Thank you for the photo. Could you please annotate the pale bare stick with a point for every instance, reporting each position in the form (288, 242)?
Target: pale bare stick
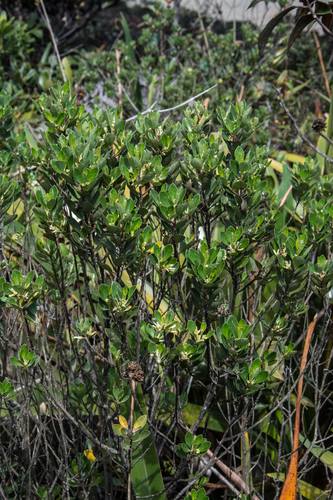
(54, 42)
(322, 64)
(177, 106)
(231, 475)
(120, 87)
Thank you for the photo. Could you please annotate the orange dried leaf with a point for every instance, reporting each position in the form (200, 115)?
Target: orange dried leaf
(289, 490)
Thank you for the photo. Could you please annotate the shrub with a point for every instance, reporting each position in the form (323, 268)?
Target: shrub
(17, 40)
(155, 284)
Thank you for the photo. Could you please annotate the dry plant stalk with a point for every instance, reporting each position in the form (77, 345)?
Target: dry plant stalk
(289, 490)
(322, 64)
(120, 87)
(53, 38)
(231, 475)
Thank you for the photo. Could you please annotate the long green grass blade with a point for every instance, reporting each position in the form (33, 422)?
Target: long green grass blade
(146, 474)
(325, 456)
(191, 412)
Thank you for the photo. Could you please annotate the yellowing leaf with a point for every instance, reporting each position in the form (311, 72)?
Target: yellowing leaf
(140, 423)
(291, 157)
(294, 158)
(67, 68)
(276, 165)
(89, 454)
(123, 422)
(16, 208)
(181, 259)
(126, 279)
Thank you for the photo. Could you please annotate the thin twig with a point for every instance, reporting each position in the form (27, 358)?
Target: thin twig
(87, 18)
(168, 110)
(232, 475)
(300, 133)
(322, 64)
(285, 196)
(225, 481)
(241, 93)
(80, 425)
(119, 85)
(319, 21)
(54, 42)
(327, 139)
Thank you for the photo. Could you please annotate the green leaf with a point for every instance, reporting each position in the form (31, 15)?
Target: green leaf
(191, 412)
(146, 474)
(199, 494)
(140, 423)
(25, 358)
(285, 187)
(266, 32)
(127, 35)
(239, 154)
(30, 138)
(300, 25)
(189, 438)
(104, 291)
(325, 456)
(6, 388)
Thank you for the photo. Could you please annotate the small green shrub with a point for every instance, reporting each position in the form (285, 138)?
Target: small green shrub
(17, 40)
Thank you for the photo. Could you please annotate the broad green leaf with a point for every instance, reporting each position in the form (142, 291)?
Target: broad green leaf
(325, 456)
(321, 146)
(6, 388)
(191, 412)
(146, 474)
